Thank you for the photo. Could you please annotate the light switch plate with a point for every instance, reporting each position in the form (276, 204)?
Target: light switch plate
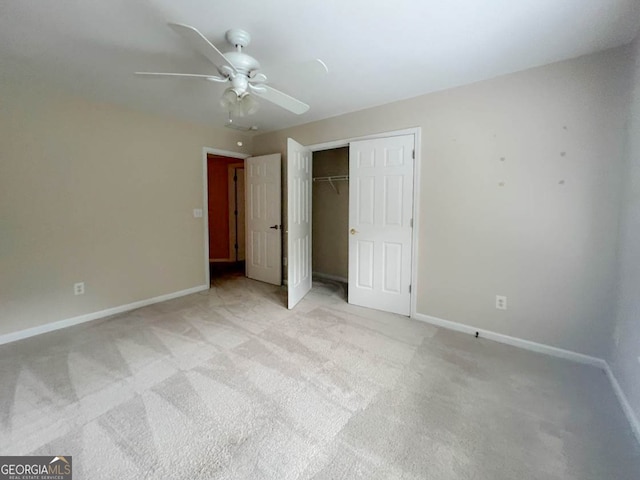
(197, 213)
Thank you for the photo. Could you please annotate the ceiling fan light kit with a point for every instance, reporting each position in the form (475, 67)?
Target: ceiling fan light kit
(237, 68)
(238, 105)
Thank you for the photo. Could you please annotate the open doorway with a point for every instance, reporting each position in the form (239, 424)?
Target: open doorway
(225, 194)
(242, 216)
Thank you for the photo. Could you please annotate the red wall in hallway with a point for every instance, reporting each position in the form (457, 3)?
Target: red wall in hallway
(218, 185)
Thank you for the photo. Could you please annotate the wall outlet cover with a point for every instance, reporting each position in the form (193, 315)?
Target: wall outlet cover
(501, 302)
(78, 288)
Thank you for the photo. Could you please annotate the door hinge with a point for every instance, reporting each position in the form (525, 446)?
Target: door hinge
(411, 223)
(413, 154)
(235, 178)
(409, 288)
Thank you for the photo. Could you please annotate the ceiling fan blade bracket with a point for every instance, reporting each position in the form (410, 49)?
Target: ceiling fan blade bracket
(226, 71)
(218, 79)
(259, 89)
(255, 77)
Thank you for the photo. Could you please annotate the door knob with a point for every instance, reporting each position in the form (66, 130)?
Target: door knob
(353, 231)
(275, 227)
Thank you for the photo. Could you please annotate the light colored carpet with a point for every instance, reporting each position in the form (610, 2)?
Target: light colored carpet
(229, 384)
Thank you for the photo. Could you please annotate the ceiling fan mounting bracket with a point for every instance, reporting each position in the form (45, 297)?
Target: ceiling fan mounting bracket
(238, 37)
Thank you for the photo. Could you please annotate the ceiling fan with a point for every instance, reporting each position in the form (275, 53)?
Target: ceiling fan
(238, 69)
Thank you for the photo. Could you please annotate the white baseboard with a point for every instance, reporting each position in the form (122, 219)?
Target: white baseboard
(514, 341)
(534, 347)
(546, 349)
(335, 278)
(626, 407)
(49, 327)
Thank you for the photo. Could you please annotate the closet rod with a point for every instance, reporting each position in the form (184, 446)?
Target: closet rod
(335, 178)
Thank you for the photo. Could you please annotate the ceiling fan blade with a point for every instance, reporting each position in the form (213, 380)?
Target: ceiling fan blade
(281, 99)
(200, 43)
(158, 75)
(318, 66)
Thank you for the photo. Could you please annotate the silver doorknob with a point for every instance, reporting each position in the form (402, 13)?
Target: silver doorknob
(353, 231)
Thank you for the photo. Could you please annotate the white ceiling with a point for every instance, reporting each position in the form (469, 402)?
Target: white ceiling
(377, 51)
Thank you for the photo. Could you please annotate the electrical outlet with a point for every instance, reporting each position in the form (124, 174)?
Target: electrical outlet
(197, 213)
(501, 302)
(78, 288)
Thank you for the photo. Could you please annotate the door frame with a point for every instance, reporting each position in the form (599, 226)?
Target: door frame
(205, 200)
(416, 132)
(232, 236)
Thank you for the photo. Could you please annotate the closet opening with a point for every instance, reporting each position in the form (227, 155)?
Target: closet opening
(350, 216)
(330, 216)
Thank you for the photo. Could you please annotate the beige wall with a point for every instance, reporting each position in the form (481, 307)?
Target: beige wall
(547, 238)
(95, 193)
(624, 355)
(330, 216)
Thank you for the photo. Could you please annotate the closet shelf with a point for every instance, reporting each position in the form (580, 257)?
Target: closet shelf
(334, 178)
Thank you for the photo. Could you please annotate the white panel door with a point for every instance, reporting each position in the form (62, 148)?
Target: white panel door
(380, 219)
(263, 218)
(298, 221)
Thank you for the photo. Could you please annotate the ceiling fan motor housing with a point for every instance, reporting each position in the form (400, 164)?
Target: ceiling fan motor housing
(242, 62)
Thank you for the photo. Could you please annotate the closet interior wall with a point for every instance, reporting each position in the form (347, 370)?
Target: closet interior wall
(330, 215)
